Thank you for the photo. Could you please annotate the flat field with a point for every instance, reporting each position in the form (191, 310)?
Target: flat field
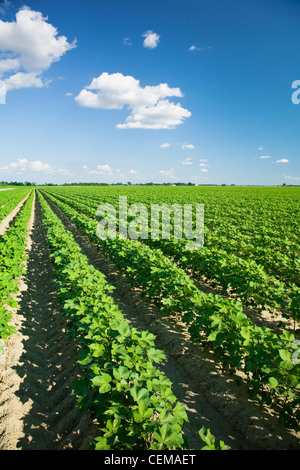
(122, 343)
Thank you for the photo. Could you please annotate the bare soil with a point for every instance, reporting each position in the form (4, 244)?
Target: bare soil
(37, 410)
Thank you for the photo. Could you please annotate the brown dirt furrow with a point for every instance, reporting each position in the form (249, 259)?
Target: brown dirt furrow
(211, 397)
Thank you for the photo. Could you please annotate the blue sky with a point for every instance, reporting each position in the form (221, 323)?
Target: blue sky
(160, 90)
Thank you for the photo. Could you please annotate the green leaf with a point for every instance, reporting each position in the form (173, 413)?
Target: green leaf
(145, 412)
(156, 355)
(103, 382)
(101, 444)
(121, 373)
(273, 382)
(139, 394)
(180, 413)
(208, 438)
(166, 436)
(285, 355)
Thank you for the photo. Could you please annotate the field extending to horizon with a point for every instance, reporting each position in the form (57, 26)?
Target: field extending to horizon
(140, 344)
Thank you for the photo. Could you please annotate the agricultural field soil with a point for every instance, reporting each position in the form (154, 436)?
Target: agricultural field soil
(37, 409)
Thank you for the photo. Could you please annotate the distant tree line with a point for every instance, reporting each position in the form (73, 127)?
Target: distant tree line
(17, 183)
(129, 183)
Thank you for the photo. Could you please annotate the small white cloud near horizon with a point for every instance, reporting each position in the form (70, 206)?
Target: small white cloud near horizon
(265, 156)
(187, 146)
(151, 39)
(102, 170)
(187, 161)
(132, 172)
(165, 145)
(23, 165)
(282, 160)
(149, 106)
(33, 46)
(295, 178)
(168, 174)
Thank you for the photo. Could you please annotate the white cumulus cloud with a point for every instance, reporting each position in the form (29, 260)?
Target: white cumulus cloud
(168, 174)
(101, 170)
(187, 146)
(165, 145)
(282, 160)
(151, 39)
(23, 165)
(28, 47)
(149, 106)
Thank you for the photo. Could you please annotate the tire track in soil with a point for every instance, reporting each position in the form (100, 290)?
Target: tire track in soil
(46, 416)
(212, 399)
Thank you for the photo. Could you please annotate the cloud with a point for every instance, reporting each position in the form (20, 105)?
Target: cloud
(203, 48)
(149, 106)
(165, 145)
(260, 148)
(127, 42)
(22, 165)
(187, 161)
(295, 178)
(168, 174)
(204, 170)
(29, 46)
(151, 39)
(101, 170)
(162, 115)
(187, 146)
(132, 172)
(283, 160)
(104, 167)
(40, 166)
(265, 156)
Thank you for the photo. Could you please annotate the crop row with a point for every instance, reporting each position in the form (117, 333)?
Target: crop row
(245, 278)
(12, 257)
(264, 357)
(10, 203)
(248, 227)
(121, 386)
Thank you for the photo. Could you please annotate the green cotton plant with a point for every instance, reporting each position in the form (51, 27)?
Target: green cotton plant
(263, 280)
(220, 323)
(12, 257)
(129, 396)
(210, 441)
